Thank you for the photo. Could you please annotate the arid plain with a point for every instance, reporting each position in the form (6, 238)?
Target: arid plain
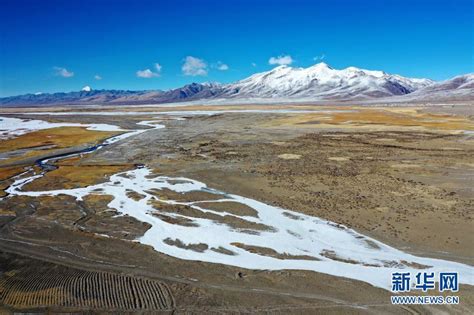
(398, 176)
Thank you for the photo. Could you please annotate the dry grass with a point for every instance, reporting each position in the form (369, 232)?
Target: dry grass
(5, 175)
(8, 172)
(46, 142)
(269, 252)
(74, 176)
(232, 207)
(377, 118)
(62, 137)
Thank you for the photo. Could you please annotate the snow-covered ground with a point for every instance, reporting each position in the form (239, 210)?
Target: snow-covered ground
(351, 254)
(13, 127)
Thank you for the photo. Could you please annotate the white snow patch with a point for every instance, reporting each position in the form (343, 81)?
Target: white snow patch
(354, 255)
(13, 127)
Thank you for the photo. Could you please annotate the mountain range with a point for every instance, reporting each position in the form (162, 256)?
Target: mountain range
(319, 82)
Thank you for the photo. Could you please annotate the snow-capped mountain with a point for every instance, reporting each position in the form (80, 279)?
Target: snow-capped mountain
(316, 83)
(460, 88)
(323, 82)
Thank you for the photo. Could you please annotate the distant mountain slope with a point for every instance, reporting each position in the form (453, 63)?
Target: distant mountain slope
(187, 92)
(89, 97)
(318, 82)
(460, 88)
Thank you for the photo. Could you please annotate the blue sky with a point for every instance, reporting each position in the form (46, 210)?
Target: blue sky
(49, 46)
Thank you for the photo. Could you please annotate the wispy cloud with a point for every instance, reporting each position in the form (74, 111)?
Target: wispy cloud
(97, 77)
(63, 72)
(147, 73)
(281, 60)
(193, 66)
(158, 68)
(253, 64)
(319, 58)
(220, 66)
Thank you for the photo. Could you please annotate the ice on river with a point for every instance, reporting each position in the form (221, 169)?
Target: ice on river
(297, 241)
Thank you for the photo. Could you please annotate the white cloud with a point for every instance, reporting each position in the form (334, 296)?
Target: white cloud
(63, 72)
(97, 77)
(147, 73)
(281, 60)
(194, 66)
(319, 58)
(222, 66)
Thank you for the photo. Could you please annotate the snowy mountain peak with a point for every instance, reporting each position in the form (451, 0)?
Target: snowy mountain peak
(86, 89)
(321, 66)
(377, 74)
(211, 84)
(322, 81)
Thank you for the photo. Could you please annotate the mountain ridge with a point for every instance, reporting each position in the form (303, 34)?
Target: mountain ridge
(319, 82)
(322, 80)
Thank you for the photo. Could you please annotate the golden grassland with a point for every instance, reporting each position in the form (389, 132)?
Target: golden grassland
(8, 172)
(5, 174)
(45, 142)
(75, 176)
(61, 137)
(377, 118)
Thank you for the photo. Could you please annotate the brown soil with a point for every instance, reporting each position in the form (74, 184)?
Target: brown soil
(265, 251)
(230, 207)
(230, 220)
(166, 194)
(28, 284)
